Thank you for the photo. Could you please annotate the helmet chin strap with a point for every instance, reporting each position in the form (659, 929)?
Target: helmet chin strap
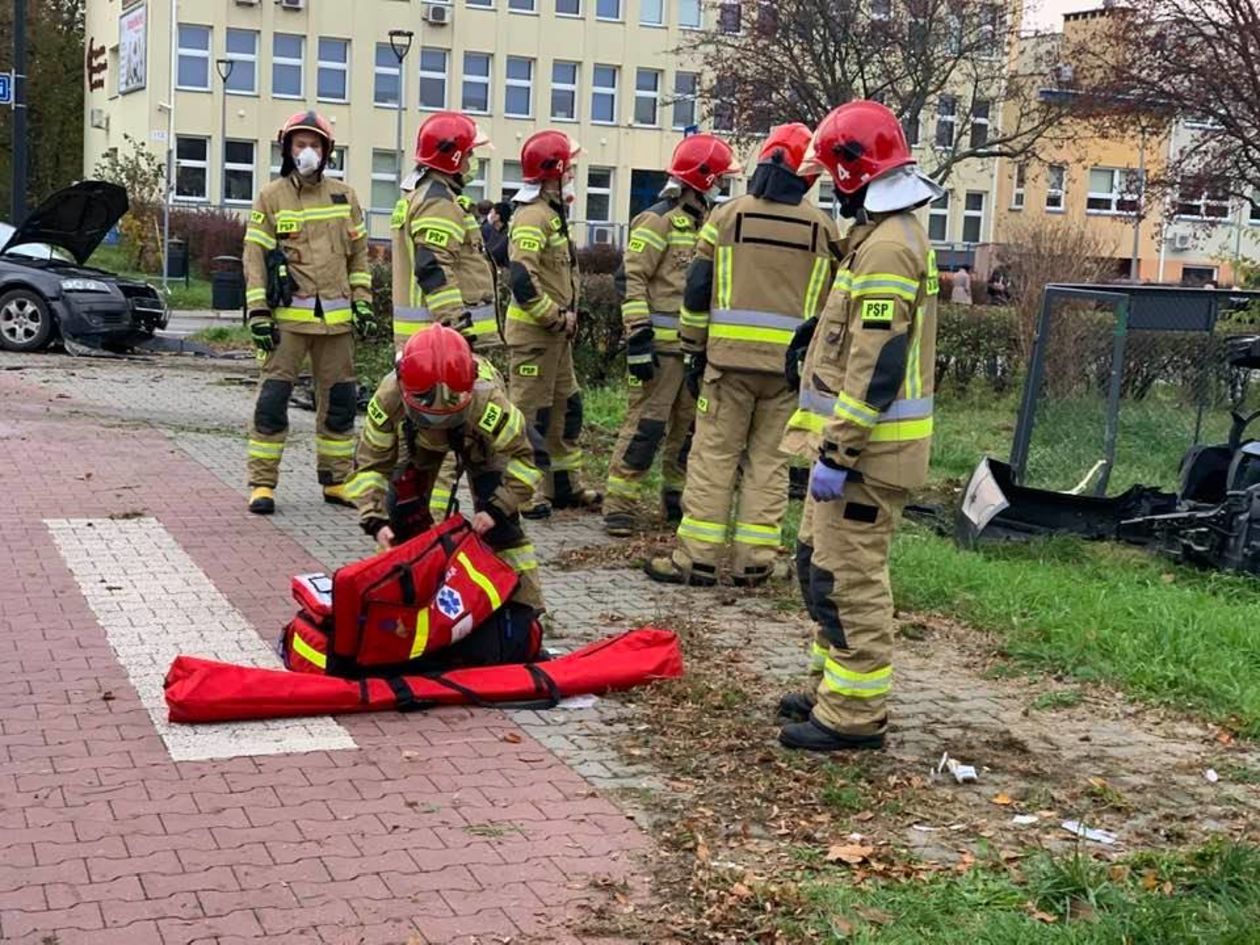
(852, 206)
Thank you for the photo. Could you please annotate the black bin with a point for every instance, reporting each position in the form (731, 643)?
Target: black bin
(176, 259)
(227, 284)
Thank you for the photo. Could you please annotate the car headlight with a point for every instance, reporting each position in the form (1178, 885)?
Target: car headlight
(83, 285)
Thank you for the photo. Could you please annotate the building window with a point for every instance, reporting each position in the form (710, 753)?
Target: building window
(193, 67)
(433, 78)
(911, 126)
(488, 4)
(286, 65)
(476, 92)
(522, 6)
(1254, 215)
(332, 78)
(992, 29)
(385, 192)
(689, 15)
(275, 160)
(242, 49)
(973, 216)
(729, 17)
(564, 83)
(723, 107)
(1017, 191)
(518, 96)
(511, 179)
(569, 7)
(979, 123)
(336, 166)
(686, 87)
(238, 172)
(608, 9)
(938, 219)
(946, 121)
(647, 96)
(191, 168)
(386, 85)
(1113, 190)
(475, 189)
(881, 9)
(652, 12)
(599, 194)
(604, 95)
(827, 198)
(1056, 184)
(1198, 275)
(1212, 204)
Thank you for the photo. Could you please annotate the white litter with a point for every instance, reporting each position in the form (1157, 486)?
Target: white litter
(1089, 833)
(924, 828)
(578, 702)
(1023, 820)
(1210, 776)
(962, 773)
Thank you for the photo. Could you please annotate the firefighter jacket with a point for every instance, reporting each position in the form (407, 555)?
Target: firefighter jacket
(653, 269)
(319, 226)
(492, 445)
(763, 265)
(868, 379)
(440, 266)
(543, 271)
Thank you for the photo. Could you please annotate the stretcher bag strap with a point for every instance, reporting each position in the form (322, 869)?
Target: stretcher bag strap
(407, 701)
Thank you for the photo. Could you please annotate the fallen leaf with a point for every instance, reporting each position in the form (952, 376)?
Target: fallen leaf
(740, 891)
(1118, 873)
(702, 850)
(865, 815)
(873, 915)
(512, 737)
(1224, 737)
(1003, 799)
(1040, 916)
(409, 755)
(851, 853)
(841, 926)
(107, 696)
(1167, 888)
(1008, 855)
(1168, 577)
(1150, 879)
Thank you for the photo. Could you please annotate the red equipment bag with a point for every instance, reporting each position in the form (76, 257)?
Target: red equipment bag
(199, 690)
(406, 607)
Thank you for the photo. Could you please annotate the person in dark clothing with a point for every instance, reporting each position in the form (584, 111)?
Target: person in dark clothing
(494, 230)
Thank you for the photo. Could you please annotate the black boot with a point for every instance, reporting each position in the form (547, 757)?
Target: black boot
(665, 571)
(619, 524)
(796, 706)
(812, 735)
(671, 502)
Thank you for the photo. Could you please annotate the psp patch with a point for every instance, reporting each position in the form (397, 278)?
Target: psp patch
(449, 602)
(436, 237)
(635, 245)
(528, 370)
(878, 313)
(376, 413)
(257, 216)
(528, 244)
(490, 419)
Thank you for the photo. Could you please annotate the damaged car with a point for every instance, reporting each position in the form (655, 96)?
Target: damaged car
(49, 293)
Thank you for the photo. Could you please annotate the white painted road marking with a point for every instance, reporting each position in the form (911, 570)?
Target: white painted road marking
(155, 603)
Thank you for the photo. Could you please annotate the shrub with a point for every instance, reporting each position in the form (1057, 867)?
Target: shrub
(599, 258)
(208, 233)
(974, 341)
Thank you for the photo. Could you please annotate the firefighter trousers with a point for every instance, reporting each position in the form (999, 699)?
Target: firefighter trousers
(542, 385)
(336, 402)
(842, 567)
(658, 419)
(740, 418)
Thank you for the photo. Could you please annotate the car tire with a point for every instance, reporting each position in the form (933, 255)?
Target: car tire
(26, 323)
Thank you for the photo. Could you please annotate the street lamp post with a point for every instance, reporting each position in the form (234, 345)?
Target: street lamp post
(224, 68)
(400, 43)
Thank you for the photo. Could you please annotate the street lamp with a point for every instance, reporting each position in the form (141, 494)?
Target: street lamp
(400, 43)
(224, 68)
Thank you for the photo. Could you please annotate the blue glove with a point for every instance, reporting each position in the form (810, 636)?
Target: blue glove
(826, 482)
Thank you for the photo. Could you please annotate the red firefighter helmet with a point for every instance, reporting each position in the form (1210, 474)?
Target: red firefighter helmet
(547, 155)
(306, 121)
(857, 143)
(789, 143)
(436, 373)
(445, 139)
(701, 161)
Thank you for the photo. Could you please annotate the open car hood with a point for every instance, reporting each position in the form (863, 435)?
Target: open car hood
(75, 219)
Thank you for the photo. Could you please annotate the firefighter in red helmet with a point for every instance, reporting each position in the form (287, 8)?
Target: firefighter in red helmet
(864, 418)
(661, 243)
(442, 400)
(307, 287)
(542, 320)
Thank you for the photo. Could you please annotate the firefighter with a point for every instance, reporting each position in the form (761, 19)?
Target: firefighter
(307, 286)
(542, 320)
(442, 273)
(443, 400)
(649, 283)
(865, 418)
(763, 265)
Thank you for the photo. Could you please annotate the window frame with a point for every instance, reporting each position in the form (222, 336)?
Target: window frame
(287, 62)
(239, 59)
(532, 11)
(322, 64)
(621, 12)
(691, 99)
(1202, 204)
(978, 123)
(1060, 191)
(653, 96)
(1117, 195)
(392, 68)
(699, 8)
(1019, 186)
(573, 89)
(504, 182)
(466, 78)
(726, 13)
(610, 91)
(510, 83)
(573, 16)
(944, 118)
(608, 192)
(230, 166)
(652, 24)
(185, 52)
(380, 177)
(203, 164)
(445, 76)
(940, 212)
(969, 215)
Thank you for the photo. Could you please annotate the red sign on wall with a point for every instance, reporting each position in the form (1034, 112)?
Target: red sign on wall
(95, 64)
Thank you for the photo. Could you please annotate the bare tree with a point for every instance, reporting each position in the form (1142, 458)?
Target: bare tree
(954, 60)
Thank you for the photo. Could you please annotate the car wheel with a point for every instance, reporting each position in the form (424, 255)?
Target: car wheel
(25, 322)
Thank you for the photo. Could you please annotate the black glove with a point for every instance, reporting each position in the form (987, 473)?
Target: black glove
(641, 358)
(796, 349)
(263, 331)
(695, 363)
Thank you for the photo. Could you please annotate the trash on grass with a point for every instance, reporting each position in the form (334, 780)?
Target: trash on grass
(1210, 776)
(1089, 833)
(1023, 820)
(962, 773)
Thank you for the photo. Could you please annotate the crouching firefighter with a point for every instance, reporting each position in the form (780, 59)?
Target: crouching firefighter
(307, 287)
(865, 418)
(650, 287)
(441, 400)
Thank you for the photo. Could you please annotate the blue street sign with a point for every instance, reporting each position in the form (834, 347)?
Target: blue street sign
(691, 130)
(6, 88)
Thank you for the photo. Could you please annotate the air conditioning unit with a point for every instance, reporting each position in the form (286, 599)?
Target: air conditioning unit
(99, 118)
(1182, 241)
(437, 14)
(292, 4)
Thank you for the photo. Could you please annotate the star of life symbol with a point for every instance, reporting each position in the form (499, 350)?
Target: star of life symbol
(449, 602)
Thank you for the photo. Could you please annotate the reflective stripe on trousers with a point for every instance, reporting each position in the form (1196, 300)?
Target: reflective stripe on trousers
(737, 324)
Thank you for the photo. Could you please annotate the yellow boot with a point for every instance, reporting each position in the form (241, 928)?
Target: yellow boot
(336, 495)
(262, 500)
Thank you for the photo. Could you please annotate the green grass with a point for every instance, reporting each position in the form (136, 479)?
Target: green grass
(1211, 895)
(194, 296)
(1059, 699)
(236, 336)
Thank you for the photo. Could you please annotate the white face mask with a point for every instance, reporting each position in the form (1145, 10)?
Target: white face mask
(307, 161)
(569, 191)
